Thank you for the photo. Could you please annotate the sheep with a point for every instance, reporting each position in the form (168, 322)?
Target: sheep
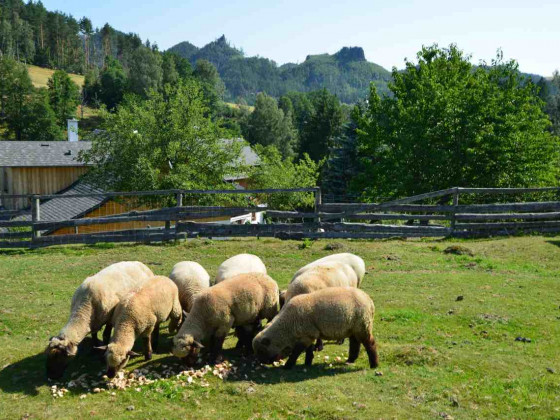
(240, 264)
(333, 314)
(333, 274)
(190, 278)
(352, 260)
(140, 314)
(92, 307)
(241, 301)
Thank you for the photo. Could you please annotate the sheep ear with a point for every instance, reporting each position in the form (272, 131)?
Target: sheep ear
(101, 348)
(133, 354)
(197, 344)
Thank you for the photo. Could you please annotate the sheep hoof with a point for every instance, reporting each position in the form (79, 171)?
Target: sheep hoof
(148, 356)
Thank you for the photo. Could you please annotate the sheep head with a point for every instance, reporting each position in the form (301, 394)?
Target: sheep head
(117, 357)
(187, 349)
(271, 348)
(59, 353)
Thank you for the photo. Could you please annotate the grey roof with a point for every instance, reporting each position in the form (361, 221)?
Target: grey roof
(41, 153)
(62, 208)
(65, 153)
(248, 155)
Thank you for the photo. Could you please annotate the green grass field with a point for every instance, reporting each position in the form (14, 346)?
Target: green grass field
(439, 357)
(40, 76)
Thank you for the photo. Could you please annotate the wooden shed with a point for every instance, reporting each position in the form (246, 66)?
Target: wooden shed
(34, 167)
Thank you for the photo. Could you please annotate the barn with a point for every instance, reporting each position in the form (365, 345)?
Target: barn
(48, 168)
(32, 167)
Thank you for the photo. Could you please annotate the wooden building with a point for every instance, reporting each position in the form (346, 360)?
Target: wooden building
(34, 167)
(48, 168)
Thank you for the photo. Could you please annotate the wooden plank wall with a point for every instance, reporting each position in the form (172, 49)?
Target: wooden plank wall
(46, 180)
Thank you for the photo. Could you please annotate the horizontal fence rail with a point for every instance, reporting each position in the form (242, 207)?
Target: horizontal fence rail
(157, 216)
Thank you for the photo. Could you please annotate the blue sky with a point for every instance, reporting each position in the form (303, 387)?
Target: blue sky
(389, 31)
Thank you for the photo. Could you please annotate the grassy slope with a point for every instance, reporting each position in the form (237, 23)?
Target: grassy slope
(39, 76)
(438, 356)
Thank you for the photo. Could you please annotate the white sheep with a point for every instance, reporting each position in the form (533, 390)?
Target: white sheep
(92, 307)
(240, 264)
(241, 301)
(331, 314)
(140, 314)
(352, 260)
(331, 274)
(190, 278)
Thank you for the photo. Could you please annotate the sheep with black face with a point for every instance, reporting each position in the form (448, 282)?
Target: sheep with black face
(242, 301)
(92, 307)
(139, 315)
(333, 313)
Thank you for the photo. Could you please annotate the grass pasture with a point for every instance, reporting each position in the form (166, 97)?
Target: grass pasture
(440, 357)
(40, 76)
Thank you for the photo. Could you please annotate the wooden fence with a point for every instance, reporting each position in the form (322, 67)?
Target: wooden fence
(442, 216)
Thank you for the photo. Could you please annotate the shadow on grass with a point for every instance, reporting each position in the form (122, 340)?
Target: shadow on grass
(557, 243)
(26, 376)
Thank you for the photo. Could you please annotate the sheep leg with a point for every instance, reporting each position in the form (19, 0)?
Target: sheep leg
(107, 333)
(96, 342)
(298, 349)
(309, 356)
(240, 334)
(319, 345)
(147, 347)
(155, 337)
(216, 348)
(371, 348)
(354, 350)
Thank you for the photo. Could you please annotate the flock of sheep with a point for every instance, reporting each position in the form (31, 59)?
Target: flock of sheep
(322, 302)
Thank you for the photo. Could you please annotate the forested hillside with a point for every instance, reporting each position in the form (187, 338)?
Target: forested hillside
(347, 73)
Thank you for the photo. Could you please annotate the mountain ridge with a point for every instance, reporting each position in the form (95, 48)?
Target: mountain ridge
(345, 73)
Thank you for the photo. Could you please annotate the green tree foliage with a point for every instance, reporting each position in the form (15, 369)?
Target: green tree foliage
(15, 87)
(340, 167)
(551, 94)
(25, 112)
(323, 125)
(39, 120)
(163, 142)
(64, 96)
(277, 172)
(86, 29)
(267, 125)
(450, 123)
(145, 71)
(211, 83)
(112, 83)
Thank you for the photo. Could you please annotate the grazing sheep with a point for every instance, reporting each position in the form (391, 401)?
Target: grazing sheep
(240, 264)
(92, 307)
(241, 301)
(332, 274)
(352, 260)
(139, 314)
(190, 278)
(332, 314)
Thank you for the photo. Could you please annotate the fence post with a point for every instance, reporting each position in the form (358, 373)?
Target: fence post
(35, 215)
(318, 202)
(179, 204)
(455, 204)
